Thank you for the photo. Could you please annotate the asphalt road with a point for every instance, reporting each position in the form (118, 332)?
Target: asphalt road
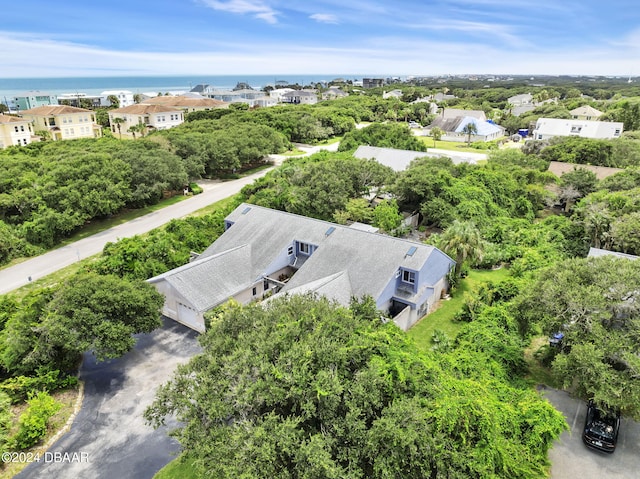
(40, 266)
(570, 458)
(109, 436)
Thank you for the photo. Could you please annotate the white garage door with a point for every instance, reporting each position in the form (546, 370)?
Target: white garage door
(188, 316)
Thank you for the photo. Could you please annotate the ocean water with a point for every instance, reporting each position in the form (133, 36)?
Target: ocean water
(10, 87)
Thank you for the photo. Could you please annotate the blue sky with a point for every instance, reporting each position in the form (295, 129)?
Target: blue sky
(42, 38)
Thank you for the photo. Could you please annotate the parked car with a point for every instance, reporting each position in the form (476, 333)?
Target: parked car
(555, 340)
(601, 428)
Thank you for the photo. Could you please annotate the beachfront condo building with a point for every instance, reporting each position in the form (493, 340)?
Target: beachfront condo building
(62, 122)
(14, 131)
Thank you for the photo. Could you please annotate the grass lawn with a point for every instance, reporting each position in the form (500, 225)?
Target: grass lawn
(329, 141)
(442, 318)
(294, 152)
(181, 467)
(449, 145)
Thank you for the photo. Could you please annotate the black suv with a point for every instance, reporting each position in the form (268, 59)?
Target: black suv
(601, 428)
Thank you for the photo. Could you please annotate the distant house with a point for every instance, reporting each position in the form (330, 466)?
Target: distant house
(186, 103)
(202, 89)
(125, 97)
(451, 113)
(559, 168)
(372, 82)
(521, 100)
(235, 96)
(278, 92)
(81, 99)
(549, 127)
(438, 97)
(263, 101)
(454, 128)
(585, 112)
(14, 131)
(63, 122)
(265, 252)
(333, 93)
(392, 94)
(33, 99)
(398, 160)
(304, 97)
(158, 117)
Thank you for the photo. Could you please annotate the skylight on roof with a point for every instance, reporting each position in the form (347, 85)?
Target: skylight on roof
(246, 210)
(411, 251)
(330, 230)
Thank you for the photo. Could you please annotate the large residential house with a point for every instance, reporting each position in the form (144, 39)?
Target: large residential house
(33, 99)
(14, 131)
(549, 127)
(585, 112)
(454, 127)
(333, 93)
(186, 103)
(265, 252)
(452, 113)
(157, 117)
(125, 97)
(303, 97)
(372, 82)
(63, 122)
(399, 160)
(81, 99)
(278, 92)
(521, 100)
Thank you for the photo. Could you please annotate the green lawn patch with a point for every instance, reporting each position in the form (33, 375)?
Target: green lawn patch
(442, 318)
(294, 152)
(97, 226)
(449, 145)
(181, 467)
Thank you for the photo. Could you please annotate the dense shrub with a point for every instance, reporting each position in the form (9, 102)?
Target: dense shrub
(33, 422)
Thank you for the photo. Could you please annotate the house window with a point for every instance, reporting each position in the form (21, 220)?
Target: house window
(304, 248)
(617, 132)
(265, 285)
(576, 129)
(408, 277)
(290, 251)
(16, 128)
(254, 291)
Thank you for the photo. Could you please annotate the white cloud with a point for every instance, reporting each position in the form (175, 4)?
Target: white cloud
(31, 55)
(324, 18)
(258, 8)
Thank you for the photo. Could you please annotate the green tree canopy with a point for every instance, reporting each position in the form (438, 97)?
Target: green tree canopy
(302, 388)
(595, 302)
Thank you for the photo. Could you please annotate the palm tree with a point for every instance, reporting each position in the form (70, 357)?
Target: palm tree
(133, 129)
(118, 121)
(436, 134)
(113, 100)
(463, 241)
(469, 129)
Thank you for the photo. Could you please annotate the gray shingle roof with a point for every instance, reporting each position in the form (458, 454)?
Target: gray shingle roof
(399, 160)
(259, 236)
(210, 281)
(597, 252)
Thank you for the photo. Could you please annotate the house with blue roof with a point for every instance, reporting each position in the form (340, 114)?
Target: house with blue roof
(453, 123)
(265, 252)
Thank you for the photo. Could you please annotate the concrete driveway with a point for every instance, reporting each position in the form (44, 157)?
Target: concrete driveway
(570, 458)
(109, 435)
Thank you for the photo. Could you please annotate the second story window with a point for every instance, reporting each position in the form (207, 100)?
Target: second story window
(408, 277)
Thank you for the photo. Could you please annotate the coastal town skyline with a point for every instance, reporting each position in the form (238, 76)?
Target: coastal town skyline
(213, 37)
